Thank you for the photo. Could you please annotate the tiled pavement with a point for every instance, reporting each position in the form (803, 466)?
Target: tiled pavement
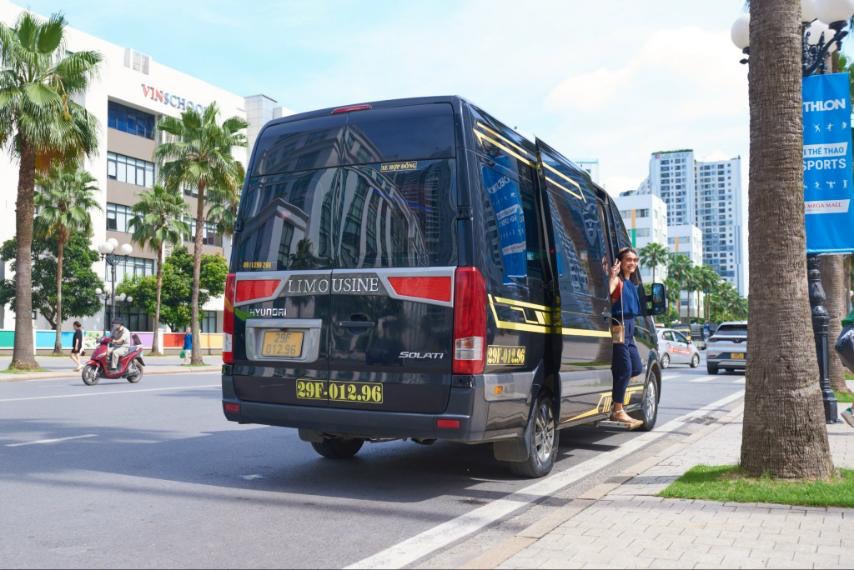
(627, 526)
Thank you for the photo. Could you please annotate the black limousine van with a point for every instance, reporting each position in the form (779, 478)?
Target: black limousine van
(416, 269)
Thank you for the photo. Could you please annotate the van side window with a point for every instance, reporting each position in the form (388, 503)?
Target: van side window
(512, 226)
(580, 251)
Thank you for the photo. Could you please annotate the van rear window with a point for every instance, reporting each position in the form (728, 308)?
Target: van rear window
(361, 137)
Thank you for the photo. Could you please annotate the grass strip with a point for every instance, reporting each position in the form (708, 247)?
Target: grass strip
(728, 483)
(23, 371)
(844, 396)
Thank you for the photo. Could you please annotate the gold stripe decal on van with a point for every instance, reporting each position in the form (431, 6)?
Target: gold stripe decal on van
(604, 405)
(536, 319)
(482, 137)
(577, 193)
(492, 132)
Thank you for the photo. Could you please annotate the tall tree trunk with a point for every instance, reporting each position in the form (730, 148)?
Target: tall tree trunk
(60, 253)
(157, 347)
(784, 431)
(197, 273)
(23, 357)
(833, 280)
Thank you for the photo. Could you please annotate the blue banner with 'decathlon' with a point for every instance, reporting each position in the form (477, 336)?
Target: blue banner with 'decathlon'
(828, 187)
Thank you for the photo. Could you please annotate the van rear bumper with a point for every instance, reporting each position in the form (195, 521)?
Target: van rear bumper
(465, 405)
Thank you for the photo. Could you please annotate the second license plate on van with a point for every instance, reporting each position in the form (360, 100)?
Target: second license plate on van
(282, 343)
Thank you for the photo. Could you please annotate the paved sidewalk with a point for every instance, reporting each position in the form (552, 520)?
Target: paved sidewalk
(627, 526)
(63, 367)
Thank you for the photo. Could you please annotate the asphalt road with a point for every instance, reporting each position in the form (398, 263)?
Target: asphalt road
(151, 475)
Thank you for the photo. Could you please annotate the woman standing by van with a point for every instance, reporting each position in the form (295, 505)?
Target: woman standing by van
(625, 306)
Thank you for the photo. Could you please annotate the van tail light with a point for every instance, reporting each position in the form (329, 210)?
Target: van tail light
(469, 321)
(228, 320)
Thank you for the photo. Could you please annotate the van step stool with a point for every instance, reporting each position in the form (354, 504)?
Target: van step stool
(615, 426)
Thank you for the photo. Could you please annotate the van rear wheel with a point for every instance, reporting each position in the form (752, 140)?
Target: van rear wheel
(338, 447)
(543, 441)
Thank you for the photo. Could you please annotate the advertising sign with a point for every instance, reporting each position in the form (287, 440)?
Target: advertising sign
(827, 163)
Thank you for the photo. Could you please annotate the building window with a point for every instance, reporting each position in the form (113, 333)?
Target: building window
(135, 320)
(130, 170)
(130, 120)
(211, 236)
(209, 322)
(119, 217)
(130, 267)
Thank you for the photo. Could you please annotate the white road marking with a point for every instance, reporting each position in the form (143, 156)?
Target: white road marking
(739, 381)
(120, 393)
(45, 441)
(440, 536)
(705, 379)
(252, 477)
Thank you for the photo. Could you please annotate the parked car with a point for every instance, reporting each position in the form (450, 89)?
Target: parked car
(676, 348)
(727, 347)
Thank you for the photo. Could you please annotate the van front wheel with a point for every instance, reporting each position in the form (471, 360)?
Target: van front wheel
(338, 447)
(543, 441)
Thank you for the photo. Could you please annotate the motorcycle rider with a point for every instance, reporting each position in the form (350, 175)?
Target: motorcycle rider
(119, 343)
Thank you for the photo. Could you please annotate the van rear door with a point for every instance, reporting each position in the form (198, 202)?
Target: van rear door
(391, 317)
(282, 259)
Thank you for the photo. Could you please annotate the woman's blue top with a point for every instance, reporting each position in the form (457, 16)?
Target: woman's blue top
(630, 302)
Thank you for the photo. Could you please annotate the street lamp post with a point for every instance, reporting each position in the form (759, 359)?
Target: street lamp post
(111, 251)
(818, 19)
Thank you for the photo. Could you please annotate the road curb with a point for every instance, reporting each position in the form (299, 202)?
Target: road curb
(72, 375)
(533, 533)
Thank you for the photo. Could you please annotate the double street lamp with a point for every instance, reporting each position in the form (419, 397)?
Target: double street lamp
(111, 252)
(823, 24)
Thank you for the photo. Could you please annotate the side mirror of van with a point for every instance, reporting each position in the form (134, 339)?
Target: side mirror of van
(658, 303)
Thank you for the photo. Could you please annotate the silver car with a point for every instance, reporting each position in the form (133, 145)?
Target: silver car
(675, 348)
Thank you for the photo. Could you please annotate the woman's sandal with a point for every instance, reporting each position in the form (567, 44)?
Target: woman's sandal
(625, 418)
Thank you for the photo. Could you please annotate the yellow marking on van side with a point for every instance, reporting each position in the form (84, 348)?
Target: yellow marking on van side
(543, 319)
(505, 139)
(481, 137)
(515, 303)
(604, 404)
(585, 332)
(554, 170)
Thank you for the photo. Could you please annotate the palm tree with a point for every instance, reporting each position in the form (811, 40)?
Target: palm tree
(200, 157)
(39, 121)
(784, 432)
(708, 283)
(158, 220)
(678, 265)
(652, 255)
(64, 197)
(224, 203)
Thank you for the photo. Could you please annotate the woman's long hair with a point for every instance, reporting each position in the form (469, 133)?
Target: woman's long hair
(634, 276)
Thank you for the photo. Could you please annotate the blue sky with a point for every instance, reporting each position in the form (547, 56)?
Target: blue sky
(612, 80)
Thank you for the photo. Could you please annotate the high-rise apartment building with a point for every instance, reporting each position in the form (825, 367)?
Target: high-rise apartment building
(707, 195)
(645, 218)
(128, 97)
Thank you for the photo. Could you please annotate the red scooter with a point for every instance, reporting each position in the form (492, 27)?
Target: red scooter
(131, 365)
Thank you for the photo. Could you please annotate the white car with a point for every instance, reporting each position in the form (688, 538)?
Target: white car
(675, 348)
(727, 347)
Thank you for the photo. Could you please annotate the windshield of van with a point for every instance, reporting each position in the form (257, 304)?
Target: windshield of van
(364, 189)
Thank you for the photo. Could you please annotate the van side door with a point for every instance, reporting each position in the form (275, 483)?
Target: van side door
(581, 262)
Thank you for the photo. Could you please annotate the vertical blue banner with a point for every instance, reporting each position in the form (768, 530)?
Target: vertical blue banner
(828, 186)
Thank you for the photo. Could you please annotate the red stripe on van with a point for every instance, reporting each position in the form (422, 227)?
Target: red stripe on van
(249, 289)
(433, 288)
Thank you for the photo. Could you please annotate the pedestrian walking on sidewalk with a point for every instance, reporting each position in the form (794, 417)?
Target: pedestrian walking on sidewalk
(625, 306)
(187, 351)
(77, 346)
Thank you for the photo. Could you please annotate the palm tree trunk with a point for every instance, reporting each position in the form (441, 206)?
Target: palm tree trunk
(23, 357)
(833, 281)
(784, 431)
(197, 273)
(60, 253)
(157, 348)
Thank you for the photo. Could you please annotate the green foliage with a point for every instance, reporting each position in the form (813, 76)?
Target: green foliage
(158, 218)
(175, 310)
(39, 80)
(65, 196)
(78, 284)
(653, 255)
(728, 483)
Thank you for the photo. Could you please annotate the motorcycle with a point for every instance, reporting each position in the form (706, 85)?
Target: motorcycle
(131, 366)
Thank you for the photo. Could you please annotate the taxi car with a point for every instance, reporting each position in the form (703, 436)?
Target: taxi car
(676, 348)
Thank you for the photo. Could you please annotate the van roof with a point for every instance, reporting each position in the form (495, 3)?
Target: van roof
(385, 104)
